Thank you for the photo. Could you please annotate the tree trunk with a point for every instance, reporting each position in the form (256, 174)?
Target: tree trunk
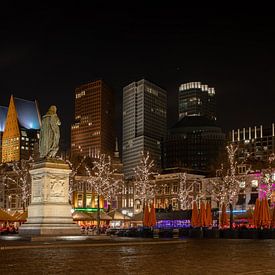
(98, 215)
(231, 215)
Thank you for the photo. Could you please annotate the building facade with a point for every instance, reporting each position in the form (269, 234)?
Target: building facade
(194, 142)
(197, 99)
(93, 130)
(21, 132)
(249, 189)
(84, 198)
(144, 123)
(254, 143)
(170, 194)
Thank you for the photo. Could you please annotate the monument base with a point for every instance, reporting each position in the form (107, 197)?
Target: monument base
(49, 213)
(49, 230)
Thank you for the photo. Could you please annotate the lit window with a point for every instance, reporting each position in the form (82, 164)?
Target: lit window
(242, 184)
(254, 183)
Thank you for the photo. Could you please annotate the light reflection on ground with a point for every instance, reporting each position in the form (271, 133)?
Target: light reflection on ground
(206, 256)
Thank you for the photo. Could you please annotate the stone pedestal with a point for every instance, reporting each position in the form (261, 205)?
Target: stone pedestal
(50, 212)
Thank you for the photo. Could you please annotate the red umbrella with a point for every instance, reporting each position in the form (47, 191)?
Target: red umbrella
(273, 219)
(265, 214)
(146, 216)
(224, 219)
(202, 215)
(256, 213)
(195, 216)
(152, 216)
(208, 214)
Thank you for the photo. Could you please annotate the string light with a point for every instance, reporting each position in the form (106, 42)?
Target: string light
(226, 187)
(185, 191)
(267, 185)
(145, 186)
(21, 179)
(101, 178)
(73, 174)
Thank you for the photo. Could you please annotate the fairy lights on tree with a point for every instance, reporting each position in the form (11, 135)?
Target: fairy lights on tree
(19, 179)
(75, 168)
(102, 182)
(226, 187)
(189, 192)
(145, 186)
(267, 185)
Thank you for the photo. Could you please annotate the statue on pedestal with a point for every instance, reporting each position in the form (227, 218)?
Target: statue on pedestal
(49, 134)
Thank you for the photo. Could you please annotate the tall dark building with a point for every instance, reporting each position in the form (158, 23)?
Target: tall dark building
(144, 123)
(195, 143)
(93, 130)
(196, 99)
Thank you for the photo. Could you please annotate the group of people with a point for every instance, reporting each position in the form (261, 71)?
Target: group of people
(92, 229)
(9, 229)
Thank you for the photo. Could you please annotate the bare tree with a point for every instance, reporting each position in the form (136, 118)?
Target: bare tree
(145, 186)
(19, 179)
(102, 182)
(267, 185)
(75, 168)
(225, 187)
(188, 192)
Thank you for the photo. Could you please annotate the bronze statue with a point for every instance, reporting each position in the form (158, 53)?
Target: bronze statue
(49, 134)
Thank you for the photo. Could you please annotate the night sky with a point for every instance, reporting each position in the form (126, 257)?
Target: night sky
(46, 52)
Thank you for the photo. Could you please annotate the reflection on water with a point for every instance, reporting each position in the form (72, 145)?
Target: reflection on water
(222, 256)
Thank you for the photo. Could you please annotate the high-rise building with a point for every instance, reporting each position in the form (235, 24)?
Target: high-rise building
(144, 123)
(255, 143)
(93, 130)
(196, 99)
(195, 143)
(21, 130)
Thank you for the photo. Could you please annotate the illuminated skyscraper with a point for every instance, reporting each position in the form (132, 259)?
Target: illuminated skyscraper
(21, 127)
(196, 99)
(93, 130)
(144, 123)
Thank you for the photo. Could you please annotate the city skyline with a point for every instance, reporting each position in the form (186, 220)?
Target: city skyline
(230, 50)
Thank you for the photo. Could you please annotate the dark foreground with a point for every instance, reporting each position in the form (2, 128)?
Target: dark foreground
(138, 256)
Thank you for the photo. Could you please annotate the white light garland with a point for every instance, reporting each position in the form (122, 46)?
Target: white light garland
(225, 188)
(21, 179)
(145, 186)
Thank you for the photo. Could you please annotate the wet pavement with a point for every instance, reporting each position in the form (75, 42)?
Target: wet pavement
(137, 256)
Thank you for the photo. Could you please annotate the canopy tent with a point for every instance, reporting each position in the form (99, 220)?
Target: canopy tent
(4, 216)
(117, 216)
(103, 216)
(81, 216)
(138, 217)
(16, 214)
(21, 217)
